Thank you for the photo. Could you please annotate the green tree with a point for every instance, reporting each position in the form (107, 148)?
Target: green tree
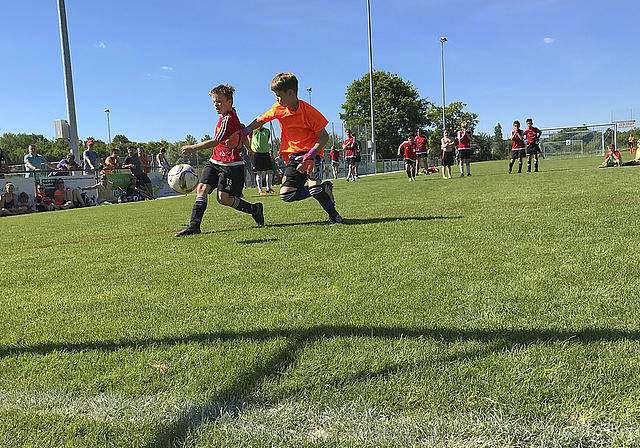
(120, 140)
(398, 109)
(455, 115)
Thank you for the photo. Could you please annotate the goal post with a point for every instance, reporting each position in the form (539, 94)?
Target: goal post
(577, 141)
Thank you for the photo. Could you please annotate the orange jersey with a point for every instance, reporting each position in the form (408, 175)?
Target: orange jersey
(298, 129)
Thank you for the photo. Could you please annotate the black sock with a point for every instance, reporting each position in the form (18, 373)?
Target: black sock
(242, 205)
(520, 167)
(198, 210)
(510, 165)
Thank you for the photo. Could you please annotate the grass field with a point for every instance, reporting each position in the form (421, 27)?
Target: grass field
(488, 311)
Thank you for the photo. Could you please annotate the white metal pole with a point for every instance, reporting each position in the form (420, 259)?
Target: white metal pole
(68, 81)
(373, 121)
(444, 104)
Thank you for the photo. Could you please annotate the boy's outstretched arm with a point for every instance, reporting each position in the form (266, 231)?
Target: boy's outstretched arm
(243, 133)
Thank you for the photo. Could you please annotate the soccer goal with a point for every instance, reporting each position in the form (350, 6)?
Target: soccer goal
(577, 141)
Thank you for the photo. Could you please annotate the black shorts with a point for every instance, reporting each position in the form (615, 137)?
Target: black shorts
(358, 158)
(350, 161)
(261, 161)
(517, 153)
(464, 154)
(409, 162)
(229, 179)
(295, 178)
(533, 149)
(143, 178)
(447, 158)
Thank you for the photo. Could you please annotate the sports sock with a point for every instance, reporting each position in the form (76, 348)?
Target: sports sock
(317, 191)
(409, 174)
(529, 166)
(510, 165)
(259, 181)
(536, 165)
(242, 205)
(198, 210)
(461, 169)
(519, 167)
(468, 169)
(268, 177)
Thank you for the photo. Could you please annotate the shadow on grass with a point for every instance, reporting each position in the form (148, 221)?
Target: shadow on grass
(235, 397)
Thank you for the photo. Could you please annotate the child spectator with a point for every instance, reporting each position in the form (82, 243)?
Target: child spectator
(448, 149)
(135, 192)
(303, 136)
(612, 158)
(25, 203)
(161, 158)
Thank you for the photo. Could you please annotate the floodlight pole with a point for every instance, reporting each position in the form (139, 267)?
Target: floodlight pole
(68, 81)
(442, 41)
(309, 90)
(373, 120)
(107, 111)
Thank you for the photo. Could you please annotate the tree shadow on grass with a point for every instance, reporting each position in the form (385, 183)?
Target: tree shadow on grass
(235, 397)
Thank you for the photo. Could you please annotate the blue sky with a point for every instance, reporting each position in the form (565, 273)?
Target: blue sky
(152, 63)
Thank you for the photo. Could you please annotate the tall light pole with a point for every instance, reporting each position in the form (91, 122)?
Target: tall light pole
(68, 81)
(373, 121)
(107, 111)
(442, 41)
(309, 90)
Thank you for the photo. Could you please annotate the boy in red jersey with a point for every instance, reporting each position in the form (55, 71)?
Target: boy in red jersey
(464, 137)
(422, 143)
(532, 135)
(517, 149)
(349, 146)
(408, 150)
(225, 169)
(303, 137)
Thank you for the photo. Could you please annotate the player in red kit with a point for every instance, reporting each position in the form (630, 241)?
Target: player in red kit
(408, 149)
(464, 137)
(517, 148)
(422, 143)
(225, 169)
(532, 134)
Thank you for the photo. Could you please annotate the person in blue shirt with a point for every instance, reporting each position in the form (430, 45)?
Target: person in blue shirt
(33, 162)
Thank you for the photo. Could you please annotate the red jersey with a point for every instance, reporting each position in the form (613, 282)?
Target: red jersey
(349, 146)
(464, 142)
(532, 135)
(409, 150)
(421, 141)
(335, 156)
(298, 128)
(227, 126)
(518, 139)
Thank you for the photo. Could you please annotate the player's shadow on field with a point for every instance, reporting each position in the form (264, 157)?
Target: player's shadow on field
(237, 396)
(361, 221)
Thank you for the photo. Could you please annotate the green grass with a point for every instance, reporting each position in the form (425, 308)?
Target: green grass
(487, 311)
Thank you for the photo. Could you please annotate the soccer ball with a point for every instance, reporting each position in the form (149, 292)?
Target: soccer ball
(182, 178)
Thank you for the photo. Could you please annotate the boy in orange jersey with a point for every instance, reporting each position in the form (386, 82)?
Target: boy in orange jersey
(225, 169)
(303, 137)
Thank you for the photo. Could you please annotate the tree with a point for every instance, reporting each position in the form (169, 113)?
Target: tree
(120, 140)
(398, 109)
(454, 115)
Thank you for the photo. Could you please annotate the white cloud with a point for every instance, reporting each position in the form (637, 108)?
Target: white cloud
(164, 67)
(547, 40)
(102, 45)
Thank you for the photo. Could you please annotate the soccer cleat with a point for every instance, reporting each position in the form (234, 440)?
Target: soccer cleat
(336, 219)
(262, 193)
(328, 188)
(257, 214)
(468, 174)
(509, 172)
(462, 175)
(357, 177)
(189, 230)
(271, 191)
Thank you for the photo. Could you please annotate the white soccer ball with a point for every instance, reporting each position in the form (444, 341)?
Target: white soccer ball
(182, 178)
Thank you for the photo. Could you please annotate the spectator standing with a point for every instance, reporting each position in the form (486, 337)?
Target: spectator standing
(261, 159)
(464, 137)
(89, 160)
(144, 160)
(448, 148)
(112, 162)
(4, 164)
(161, 158)
(33, 162)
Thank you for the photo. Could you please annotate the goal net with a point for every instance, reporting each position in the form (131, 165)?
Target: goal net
(574, 142)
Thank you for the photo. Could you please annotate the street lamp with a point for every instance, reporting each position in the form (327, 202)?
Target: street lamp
(442, 41)
(107, 111)
(309, 90)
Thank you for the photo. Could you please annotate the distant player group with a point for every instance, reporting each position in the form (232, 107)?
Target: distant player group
(303, 136)
(527, 140)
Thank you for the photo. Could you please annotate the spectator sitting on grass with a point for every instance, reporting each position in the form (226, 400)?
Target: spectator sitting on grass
(66, 197)
(135, 192)
(44, 202)
(9, 201)
(612, 158)
(105, 191)
(25, 203)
